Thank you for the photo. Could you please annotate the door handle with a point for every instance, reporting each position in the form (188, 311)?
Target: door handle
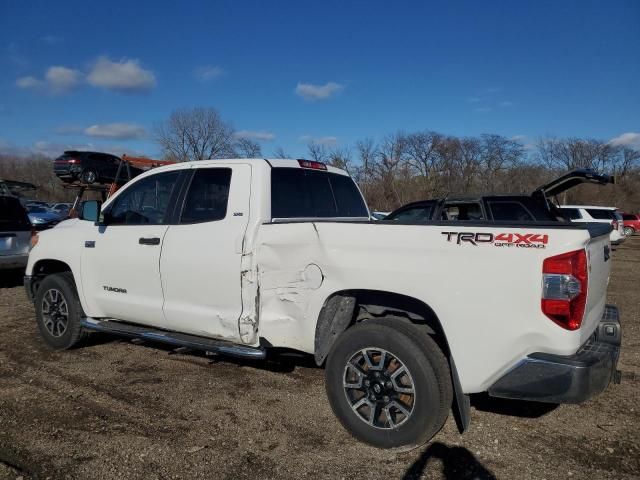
(149, 241)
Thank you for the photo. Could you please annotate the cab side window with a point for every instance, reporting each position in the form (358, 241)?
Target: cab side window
(144, 203)
(462, 211)
(208, 196)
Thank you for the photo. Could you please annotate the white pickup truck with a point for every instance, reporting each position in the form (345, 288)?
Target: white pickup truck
(243, 256)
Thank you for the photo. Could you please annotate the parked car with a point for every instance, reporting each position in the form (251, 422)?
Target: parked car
(42, 218)
(15, 233)
(62, 209)
(536, 207)
(591, 213)
(91, 167)
(379, 215)
(243, 256)
(631, 223)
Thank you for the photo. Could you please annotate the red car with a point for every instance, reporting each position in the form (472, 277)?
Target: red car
(631, 223)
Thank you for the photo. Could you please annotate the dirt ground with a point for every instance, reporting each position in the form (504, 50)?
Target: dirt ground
(117, 409)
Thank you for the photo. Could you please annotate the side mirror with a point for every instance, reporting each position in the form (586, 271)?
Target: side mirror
(90, 210)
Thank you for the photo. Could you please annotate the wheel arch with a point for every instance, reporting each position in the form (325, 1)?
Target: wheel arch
(345, 308)
(44, 267)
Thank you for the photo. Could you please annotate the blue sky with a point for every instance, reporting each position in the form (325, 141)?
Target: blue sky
(102, 74)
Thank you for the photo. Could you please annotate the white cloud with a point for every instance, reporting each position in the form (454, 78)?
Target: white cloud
(124, 76)
(207, 73)
(518, 138)
(28, 82)
(506, 103)
(51, 39)
(68, 130)
(327, 141)
(483, 109)
(309, 91)
(474, 99)
(629, 139)
(255, 135)
(62, 79)
(119, 131)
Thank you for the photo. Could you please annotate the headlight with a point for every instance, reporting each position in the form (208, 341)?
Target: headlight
(38, 220)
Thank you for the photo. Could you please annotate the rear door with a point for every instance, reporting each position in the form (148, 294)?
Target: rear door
(202, 252)
(570, 180)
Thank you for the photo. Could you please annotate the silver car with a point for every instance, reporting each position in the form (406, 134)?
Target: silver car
(15, 233)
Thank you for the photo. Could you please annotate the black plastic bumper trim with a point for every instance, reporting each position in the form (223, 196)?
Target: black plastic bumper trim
(545, 377)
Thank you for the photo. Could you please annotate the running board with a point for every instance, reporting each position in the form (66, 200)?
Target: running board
(173, 338)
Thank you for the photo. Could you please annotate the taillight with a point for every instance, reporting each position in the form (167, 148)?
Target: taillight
(34, 237)
(312, 164)
(564, 288)
(73, 160)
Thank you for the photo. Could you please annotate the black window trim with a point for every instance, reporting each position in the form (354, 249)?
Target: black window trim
(182, 198)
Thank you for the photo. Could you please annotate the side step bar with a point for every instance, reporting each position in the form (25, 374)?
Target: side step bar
(173, 338)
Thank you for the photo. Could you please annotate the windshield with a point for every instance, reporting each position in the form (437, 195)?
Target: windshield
(36, 209)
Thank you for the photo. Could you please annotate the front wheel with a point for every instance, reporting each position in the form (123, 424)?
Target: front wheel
(58, 311)
(388, 383)
(628, 231)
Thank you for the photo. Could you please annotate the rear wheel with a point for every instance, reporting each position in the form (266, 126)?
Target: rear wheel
(89, 176)
(389, 383)
(628, 231)
(58, 311)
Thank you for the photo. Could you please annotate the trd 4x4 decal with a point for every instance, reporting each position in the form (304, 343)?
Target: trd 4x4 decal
(520, 240)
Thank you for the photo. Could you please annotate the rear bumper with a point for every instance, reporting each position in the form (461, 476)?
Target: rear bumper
(8, 262)
(544, 377)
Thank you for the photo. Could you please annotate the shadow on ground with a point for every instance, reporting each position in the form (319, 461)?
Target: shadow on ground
(11, 278)
(456, 463)
(512, 408)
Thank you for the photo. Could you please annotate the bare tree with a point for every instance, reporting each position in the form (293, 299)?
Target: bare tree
(317, 151)
(340, 158)
(247, 148)
(280, 152)
(195, 134)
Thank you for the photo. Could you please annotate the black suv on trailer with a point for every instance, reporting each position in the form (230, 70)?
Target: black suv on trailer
(536, 207)
(91, 167)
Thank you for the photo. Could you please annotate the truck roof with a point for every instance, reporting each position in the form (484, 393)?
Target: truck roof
(260, 162)
(592, 207)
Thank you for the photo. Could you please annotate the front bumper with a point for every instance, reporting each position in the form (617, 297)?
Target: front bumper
(544, 377)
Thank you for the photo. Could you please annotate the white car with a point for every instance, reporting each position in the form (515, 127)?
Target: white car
(243, 256)
(592, 213)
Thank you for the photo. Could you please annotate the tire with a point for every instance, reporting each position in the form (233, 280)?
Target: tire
(56, 296)
(89, 176)
(628, 231)
(427, 376)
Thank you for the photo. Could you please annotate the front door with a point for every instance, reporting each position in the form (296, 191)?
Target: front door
(120, 265)
(202, 252)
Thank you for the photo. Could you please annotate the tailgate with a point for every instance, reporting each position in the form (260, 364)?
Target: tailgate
(15, 243)
(599, 267)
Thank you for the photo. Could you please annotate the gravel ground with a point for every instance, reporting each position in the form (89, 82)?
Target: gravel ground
(116, 409)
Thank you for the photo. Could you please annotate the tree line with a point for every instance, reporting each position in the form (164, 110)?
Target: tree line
(400, 167)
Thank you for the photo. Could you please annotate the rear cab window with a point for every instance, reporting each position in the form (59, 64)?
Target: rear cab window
(305, 193)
